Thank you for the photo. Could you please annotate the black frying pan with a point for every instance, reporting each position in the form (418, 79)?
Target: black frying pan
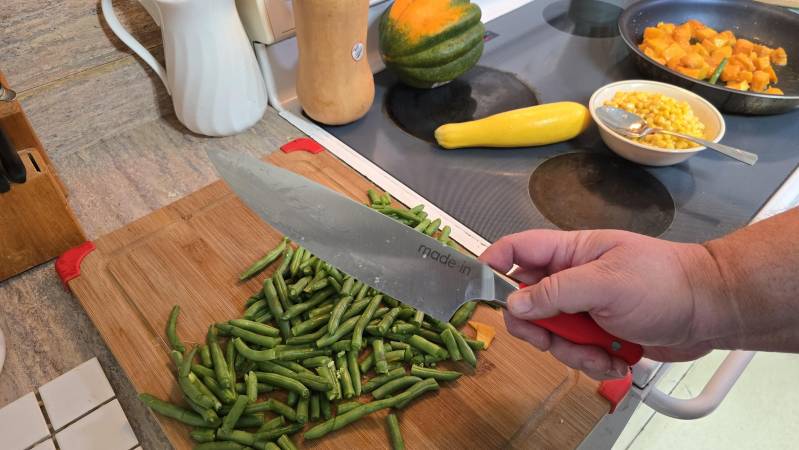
(764, 24)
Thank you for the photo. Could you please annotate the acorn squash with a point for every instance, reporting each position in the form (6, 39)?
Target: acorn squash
(428, 43)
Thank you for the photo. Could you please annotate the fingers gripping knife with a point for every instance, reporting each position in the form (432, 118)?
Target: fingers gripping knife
(388, 256)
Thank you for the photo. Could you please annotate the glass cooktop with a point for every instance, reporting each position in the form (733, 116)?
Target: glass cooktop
(551, 51)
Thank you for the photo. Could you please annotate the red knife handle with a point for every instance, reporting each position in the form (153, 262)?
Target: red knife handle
(581, 329)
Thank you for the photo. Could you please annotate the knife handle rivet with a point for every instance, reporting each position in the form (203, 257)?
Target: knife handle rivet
(615, 346)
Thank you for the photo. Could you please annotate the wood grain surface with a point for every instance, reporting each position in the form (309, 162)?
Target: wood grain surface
(190, 253)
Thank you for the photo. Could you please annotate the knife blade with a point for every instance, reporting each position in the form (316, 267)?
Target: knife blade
(383, 253)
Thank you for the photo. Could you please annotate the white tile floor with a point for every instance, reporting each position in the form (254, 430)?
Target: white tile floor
(761, 411)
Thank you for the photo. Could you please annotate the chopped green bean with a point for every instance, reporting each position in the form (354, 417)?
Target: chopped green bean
(202, 371)
(255, 327)
(205, 356)
(273, 302)
(452, 345)
(316, 361)
(203, 435)
(341, 346)
(394, 434)
(241, 388)
(264, 262)
(281, 289)
(463, 314)
(251, 383)
(285, 443)
(283, 270)
(220, 445)
(284, 382)
(347, 389)
(378, 381)
(355, 372)
(315, 411)
(249, 336)
(299, 308)
(277, 422)
(302, 409)
(343, 407)
(294, 355)
(466, 351)
(379, 352)
(233, 416)
(296, 259)
(395, 385)
(345, 328)
(307, 338)
(433, 227)
(387, 320)
(296, 289)
(426, 346)
(175, 412)
(269, 435)
(324, 407)
(363, 321)
(440, 375)
(338, 313)
(226, 396)
(275, 406)
(309, 325)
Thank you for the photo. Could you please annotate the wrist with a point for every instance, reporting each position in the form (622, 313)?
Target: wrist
(716, 316)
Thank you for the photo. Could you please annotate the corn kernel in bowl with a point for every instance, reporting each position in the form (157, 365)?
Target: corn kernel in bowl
(661, 111)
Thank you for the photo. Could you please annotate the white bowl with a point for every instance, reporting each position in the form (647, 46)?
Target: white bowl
(647, 154)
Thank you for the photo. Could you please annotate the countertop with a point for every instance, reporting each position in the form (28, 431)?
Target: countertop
(107, 124)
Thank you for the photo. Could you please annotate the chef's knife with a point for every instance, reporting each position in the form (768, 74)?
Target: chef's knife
(385, 254)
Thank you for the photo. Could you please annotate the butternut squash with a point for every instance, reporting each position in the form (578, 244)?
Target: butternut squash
(335, 85)
(525, 127)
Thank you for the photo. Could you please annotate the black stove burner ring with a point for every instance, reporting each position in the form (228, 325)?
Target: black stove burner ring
(478, 93)
(586, 18)
(581, 191)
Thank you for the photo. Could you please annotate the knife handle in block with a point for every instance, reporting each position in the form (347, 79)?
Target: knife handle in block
(581, 329)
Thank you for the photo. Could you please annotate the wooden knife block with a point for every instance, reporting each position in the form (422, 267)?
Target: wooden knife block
(36, 224)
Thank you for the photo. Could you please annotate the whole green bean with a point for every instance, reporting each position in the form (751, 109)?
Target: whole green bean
(309, 325)
(317, 298)
(432, 336)
(270, 435)
(273, 405)
(203, 435)
(452, 345)
(220, 445)
(394, 434)
(263, 316)
(324, 407)
(273, 367)
(251, 354)
(175, 412)
(302, 409)
(463, 314)
(347, 389)
(171, 330)
(295, 366)
(277, 422)
(338, 313)
(220, 366)
(252, 386)
(249, 336)
(344, 329)
(395, 385)
(264, 262)
(239, 436)
(362, 291)
(379, 352)
(273, 302)
(281, 289)
(296, 259)
(318, 281)
(444, 236)
(296, 289)
(224, 395)
(378, 381)
(190, 389)
(255, 309)
(285, 443)
(374, 197)
(397, 355)
(413, 392)
(233, 416)
(315, 413)
(286, 383)
(400, 327)
(363, 320)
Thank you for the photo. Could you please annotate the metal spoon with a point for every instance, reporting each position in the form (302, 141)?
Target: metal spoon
(634, 126)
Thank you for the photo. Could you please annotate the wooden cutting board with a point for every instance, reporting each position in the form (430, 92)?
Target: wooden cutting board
(191, 252)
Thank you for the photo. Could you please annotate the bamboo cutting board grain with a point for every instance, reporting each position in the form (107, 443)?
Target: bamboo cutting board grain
(191, 252)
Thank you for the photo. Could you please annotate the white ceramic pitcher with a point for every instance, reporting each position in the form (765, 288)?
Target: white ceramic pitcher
(211, 72)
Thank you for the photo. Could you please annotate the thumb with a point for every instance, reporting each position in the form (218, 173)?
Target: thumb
(582, 288)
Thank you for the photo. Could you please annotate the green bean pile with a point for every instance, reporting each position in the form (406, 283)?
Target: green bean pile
(316, 335)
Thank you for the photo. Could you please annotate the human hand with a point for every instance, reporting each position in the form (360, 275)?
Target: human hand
(652, 292)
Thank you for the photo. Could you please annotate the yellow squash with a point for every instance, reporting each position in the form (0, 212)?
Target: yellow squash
(525, 127)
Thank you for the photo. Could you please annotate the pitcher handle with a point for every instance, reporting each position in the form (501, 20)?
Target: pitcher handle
(132, 43)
